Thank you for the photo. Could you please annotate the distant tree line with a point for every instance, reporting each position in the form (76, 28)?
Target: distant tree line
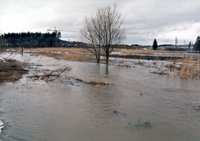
(31, 40)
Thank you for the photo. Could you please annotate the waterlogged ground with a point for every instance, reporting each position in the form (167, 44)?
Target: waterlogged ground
(137, 105)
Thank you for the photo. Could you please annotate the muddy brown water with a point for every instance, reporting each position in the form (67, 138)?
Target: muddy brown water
(138, 105)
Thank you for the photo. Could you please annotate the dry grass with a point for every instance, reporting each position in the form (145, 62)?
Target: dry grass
(2, 49)
(134, 51)
(51, 75)
(72, 54)
(77, 57)
(93, 81)
(10, 70)
(80, 54)
(62, 50)
(71, 57)
(189, 68)
(97, 81)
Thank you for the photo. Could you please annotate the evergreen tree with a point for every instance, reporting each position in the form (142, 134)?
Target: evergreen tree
(155, 45)
(189, 45)
(197, 44)
(30, 39)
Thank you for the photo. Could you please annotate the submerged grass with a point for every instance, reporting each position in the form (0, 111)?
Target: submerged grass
(93, 81)
(189, 68)
(51, 75)
(97, 81)
(62, 50)
(11, 70)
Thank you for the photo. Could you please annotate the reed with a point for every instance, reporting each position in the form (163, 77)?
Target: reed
(11, 70)
(189, 68)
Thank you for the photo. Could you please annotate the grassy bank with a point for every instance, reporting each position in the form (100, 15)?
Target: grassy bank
(71, 54)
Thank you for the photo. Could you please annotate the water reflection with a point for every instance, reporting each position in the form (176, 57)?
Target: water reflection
(100, 68)
(103, 100)
(107, 69)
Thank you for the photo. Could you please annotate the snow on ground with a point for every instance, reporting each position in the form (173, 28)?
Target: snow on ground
(117, 53)
(152, 66)
(1, 126)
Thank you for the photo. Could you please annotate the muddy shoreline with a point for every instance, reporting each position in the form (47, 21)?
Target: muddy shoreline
(11, 70)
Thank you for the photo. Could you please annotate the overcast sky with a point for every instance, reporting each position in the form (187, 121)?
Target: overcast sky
(144, 20)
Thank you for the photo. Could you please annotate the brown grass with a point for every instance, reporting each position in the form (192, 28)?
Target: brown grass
(72, 54)
(97, 81)
(77, 57)
(93, 81)
(190, 68)
(63, 50)
(134, 51)
(10, 71)
(2, 49)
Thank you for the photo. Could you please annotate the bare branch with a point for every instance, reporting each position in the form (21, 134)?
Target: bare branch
(104, 30)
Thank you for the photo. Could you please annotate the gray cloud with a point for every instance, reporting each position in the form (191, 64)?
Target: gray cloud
(159, 19)
(144, 20)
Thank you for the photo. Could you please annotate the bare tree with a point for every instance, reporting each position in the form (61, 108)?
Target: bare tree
(104, 31)
(90, 34)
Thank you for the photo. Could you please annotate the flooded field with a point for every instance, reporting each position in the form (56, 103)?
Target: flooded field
(136, 105)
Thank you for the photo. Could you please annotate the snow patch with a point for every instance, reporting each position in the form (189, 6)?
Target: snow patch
(117, 53)
(1, 126)
(57, 52)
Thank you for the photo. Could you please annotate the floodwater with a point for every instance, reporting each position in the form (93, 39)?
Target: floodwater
(136, 106)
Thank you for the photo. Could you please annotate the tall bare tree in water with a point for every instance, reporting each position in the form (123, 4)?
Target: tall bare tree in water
(104, 31)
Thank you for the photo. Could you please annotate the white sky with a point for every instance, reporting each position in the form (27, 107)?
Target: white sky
(144, 19)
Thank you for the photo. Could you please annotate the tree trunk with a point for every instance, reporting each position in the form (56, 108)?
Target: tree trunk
(107, 57)
(98, 54)
(98, 59)
(107, 70)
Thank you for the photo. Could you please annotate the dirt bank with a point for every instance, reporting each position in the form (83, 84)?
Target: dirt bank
(11, 70)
